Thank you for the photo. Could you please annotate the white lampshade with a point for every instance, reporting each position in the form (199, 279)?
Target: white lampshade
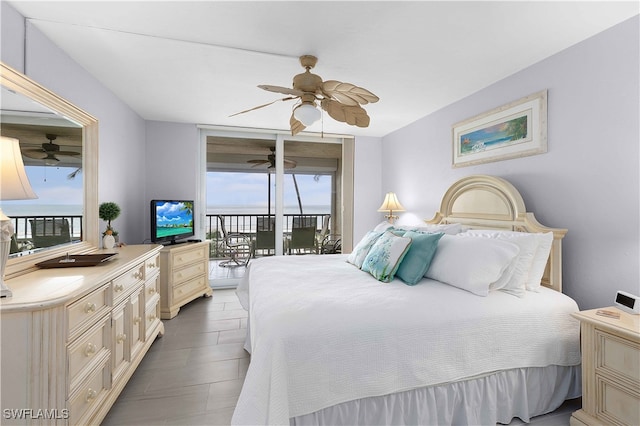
(306, 113)
(391, 203)
(14, 183)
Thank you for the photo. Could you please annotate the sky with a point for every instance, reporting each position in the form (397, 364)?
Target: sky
(227, 192)
(249, 190)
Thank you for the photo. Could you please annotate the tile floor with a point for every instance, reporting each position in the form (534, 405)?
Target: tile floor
(194, 373)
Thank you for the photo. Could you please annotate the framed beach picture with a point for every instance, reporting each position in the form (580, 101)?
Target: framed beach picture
(514, 130)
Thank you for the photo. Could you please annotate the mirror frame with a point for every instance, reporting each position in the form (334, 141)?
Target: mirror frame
(21, 84)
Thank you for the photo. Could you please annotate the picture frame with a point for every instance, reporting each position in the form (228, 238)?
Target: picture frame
(514, 130)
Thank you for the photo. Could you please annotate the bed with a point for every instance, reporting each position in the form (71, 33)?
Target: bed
(332, 343)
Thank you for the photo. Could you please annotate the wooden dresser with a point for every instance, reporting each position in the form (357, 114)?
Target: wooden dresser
(610, 369)
(72, 337)
(184, 276)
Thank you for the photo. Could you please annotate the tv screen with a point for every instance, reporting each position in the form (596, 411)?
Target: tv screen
(171, 221)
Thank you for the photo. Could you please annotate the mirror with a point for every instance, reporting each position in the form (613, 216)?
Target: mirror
(58, 141)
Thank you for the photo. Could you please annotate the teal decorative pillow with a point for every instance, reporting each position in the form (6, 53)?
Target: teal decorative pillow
(361, 249)
(385, 256)
(418, 259)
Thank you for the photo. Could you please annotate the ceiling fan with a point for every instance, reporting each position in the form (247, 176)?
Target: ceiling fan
(49, 151)
(271, 161)
(340, 100)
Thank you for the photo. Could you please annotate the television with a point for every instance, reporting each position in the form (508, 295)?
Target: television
(171, 221)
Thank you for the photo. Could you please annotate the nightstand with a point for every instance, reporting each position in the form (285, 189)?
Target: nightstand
(610, 369)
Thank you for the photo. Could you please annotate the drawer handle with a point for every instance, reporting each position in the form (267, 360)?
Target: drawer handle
(91, 395)
(121, 337)
(90, 349)
(151, 317)
(90, 308)
(138, 275)
(151, 265)
(119, 287)
(152, 290)
(137, 320)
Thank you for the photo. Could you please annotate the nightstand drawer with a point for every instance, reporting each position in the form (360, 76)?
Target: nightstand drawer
(617, 405)
(617, 357)
(187, 289)
(185, 257)
(184, 274)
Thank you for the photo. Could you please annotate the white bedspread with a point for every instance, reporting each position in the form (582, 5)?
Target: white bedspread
(323, 332)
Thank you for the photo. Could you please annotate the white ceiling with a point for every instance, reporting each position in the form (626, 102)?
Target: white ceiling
(200, 61)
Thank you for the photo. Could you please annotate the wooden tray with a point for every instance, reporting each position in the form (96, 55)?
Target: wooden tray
(75, 260)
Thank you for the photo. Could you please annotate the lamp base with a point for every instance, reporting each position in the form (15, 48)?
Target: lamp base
(6, 231)
(4, 290)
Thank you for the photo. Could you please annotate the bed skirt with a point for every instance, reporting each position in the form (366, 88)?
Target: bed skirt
(495, 398)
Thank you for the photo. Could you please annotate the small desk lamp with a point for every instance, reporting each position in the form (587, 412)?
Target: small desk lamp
(390, 205)
(14, 185)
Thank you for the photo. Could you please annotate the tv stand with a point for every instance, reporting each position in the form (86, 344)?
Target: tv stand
(184, 276)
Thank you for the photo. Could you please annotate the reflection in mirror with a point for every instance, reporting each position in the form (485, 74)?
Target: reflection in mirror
(51, 148)
(59, 146)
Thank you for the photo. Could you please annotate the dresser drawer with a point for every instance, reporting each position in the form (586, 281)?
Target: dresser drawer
(617, 405)
(152, 315)
(181, 258)
(152, 266)
(89, 395)
(189, 288)
(90, 346)
(124, 283)
(151, 287)
(188, 272)
(618, 357)
(82, 313)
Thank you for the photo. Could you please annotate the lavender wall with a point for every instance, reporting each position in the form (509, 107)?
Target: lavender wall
(587, 182)
(121, 131)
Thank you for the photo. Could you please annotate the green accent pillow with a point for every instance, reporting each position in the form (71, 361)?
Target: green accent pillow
(418, 259)
(385, 256)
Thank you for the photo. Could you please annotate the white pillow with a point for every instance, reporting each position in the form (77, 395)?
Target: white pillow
(472, 264)
(383, 226)
(540, 257)
(545, 241)
(360, 251)
(445, 228)
(515, 277)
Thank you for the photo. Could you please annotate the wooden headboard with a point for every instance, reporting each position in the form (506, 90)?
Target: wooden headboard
(490, 202)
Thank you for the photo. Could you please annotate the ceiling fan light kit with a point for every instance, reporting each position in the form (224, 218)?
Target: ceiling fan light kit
(342, 101)
(307, 114)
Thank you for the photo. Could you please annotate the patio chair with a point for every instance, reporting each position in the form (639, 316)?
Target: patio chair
(235, 246)
(303, 234)
(265, 234)
(49, 232)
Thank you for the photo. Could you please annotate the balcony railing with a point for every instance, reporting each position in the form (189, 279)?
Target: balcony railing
(32, 232)
(247, 225)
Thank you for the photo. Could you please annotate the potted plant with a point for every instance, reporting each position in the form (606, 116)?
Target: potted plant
(109, 211)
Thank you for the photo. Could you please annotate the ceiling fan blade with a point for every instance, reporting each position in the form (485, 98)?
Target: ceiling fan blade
(283, 90)
(262, 106)
(68, 153)
(289, 164)
(347, 93)
(296, 126)
(38, 155)
(353, 115)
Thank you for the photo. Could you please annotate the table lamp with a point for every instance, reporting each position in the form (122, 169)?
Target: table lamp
(390, 205)
(14, 185)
